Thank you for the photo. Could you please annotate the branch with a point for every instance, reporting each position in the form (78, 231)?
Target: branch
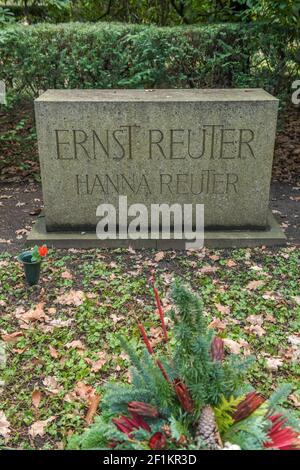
(107, 12)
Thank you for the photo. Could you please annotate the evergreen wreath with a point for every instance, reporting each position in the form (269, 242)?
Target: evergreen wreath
(192, 396)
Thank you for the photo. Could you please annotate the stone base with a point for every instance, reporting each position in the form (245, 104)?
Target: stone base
(213, 239)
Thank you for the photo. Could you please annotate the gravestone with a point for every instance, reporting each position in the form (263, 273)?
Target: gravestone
(211, 147)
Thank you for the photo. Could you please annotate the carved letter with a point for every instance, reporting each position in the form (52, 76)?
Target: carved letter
(116, 157)
(226, 142)
(58, 144)
(167, 183)
(234, 179)
(130, 139)
(245, 142)
(157, 142)
(84, 183)
(175, 142)
(105, 149)
(203, 144)
(80, 143)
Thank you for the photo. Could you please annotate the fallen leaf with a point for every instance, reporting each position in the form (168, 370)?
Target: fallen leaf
(214, 257)
(208, 269)
(36, 398)
(235, 347)
(73, 297)
(223, 309)
(270, 318)
(2, 240)
(12, 336)
(99, 363)
(273, 363)
(76, 344)
(294, 340)
(159, 256)
(94, 402)
(52, 385)
(66, 275)
(58, 323)
(255, 319)
(253, 285)
(52, 311)
(116, 318)
(218, 325)
(230, 263)
(256, 329)
(295, 399)
(297, 299)
(53, 352)
(38, 428)
(84, 391)
(34, 314)
(4, 426)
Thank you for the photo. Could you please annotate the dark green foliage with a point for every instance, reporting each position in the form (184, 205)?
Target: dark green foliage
(161, 12)
(108, 55)
(188, 358)
(148, 385)
(207, 380)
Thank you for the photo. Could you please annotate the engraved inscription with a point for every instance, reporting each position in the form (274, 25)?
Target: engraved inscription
(208, 182)
(206, 142)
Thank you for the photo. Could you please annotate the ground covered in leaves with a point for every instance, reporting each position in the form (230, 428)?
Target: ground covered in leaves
(59, 344)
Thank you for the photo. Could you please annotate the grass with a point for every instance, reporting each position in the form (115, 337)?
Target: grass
(261, 317)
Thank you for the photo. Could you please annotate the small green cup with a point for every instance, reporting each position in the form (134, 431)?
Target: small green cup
(32, 269)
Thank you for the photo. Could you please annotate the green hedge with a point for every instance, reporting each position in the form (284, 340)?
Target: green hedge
(108, 55)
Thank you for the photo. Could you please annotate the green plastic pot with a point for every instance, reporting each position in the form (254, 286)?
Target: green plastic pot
(32, 269)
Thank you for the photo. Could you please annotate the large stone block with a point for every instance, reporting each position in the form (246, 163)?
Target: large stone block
(156, 146)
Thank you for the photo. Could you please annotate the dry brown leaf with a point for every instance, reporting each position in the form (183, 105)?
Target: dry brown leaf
(270, 318)
(38, 428)
(296, 299)
(53, 352)
(52, 385)
(73, 297)
(84, 391)
(159, 256)
(116, 318)
(58, 323)
(236, 347)
(218, 325)
(208, 269)
(66, 275)
(94, 402)
(253, 285)
(52, 311)
(224, 309)
(273, 363)
(36, 398)
(294, 340)
(4, 426)
(214, 257)
(34, 314)
(230, 263)
(99, 363)
(76, 344)
(12, 336)
(295, 399)
(233, 346)
(255, 319)
(256, 329)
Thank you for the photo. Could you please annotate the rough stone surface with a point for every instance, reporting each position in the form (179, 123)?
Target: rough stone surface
(274, 236)
(156, 146)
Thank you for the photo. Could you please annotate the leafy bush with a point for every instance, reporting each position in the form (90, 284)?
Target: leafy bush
(107, 55)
